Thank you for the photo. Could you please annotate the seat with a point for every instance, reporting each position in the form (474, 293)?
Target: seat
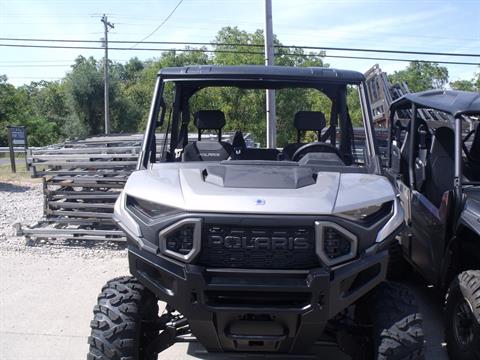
(405, 147)
(208, 150)
(239, 145)
(472, 165)
(474, 151)
(440, 165)
(304, 121)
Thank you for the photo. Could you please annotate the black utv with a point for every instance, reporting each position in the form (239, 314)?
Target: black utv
(435, 163)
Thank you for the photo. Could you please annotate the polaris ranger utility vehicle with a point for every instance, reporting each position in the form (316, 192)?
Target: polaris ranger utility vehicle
(256, 250)
(435, 161)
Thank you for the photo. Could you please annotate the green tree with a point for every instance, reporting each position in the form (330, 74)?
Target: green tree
(7, 107)
(421, 76)
(476, 81)
(84, 85)
(463, 85)
(237, 103)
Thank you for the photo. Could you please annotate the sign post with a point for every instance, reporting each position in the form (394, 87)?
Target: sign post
(17, 136)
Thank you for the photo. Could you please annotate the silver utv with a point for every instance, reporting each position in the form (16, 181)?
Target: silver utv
(270, 250)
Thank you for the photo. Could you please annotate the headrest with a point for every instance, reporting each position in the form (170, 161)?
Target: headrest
(309, 120)
(209, 119)
(238, 140)
(445, 138)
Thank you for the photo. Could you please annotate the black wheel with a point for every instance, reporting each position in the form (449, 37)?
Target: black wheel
(124, 321)
(462, 316)
(398, 267)
(397, 327)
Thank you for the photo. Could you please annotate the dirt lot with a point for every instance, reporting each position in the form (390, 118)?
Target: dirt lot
(47, 292)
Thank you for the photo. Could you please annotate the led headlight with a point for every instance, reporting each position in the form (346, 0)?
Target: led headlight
(367, 213)
(149, 208)
(335, 244)
(181, 240)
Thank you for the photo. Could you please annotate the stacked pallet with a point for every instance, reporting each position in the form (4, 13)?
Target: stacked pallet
(81, 182)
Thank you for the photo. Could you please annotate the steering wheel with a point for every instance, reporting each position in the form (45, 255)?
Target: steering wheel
(315, 147)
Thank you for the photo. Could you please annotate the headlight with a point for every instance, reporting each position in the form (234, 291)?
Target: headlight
(181, 240)
(149, 208)
(367, 214)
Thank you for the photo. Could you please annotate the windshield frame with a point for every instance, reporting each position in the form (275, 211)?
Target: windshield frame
(158, 114)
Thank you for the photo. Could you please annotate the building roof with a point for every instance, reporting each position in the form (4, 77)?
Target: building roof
(260, 72)
(453, 102)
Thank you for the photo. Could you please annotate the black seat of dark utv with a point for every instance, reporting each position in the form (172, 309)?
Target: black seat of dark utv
(208, 150)
(440, 165)
(472, 165)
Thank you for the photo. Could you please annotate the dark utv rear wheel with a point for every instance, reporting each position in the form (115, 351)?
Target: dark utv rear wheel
(397, 327)
(124, 321)
(462, 316)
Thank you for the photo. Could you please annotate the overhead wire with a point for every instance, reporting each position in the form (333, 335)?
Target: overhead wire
(199, 43)
(160, 25)
(239, 52)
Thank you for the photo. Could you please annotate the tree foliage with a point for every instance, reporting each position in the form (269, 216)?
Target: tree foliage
(421, 76)
(467, 85)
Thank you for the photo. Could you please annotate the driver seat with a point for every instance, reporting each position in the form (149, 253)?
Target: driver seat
(305, 121)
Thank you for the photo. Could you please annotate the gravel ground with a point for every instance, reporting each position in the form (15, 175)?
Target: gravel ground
(19, 203)
(22, 203)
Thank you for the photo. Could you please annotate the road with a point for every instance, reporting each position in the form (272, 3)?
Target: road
(46, 303)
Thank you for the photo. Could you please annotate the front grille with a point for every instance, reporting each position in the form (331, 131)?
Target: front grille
(226, 246)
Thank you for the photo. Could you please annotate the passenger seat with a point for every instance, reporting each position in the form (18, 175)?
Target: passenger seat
(208, 150)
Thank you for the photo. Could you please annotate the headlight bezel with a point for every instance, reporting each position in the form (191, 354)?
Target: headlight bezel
(320, 242)
(197, 239)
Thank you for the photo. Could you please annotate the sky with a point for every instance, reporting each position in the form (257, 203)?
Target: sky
(417, 25)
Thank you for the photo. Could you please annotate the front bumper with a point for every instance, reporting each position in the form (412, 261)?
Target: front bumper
(257, 310)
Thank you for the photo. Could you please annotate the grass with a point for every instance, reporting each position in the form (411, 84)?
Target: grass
(22, 175)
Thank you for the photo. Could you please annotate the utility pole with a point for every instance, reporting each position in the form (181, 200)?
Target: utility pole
(107, 26)
(269, 60)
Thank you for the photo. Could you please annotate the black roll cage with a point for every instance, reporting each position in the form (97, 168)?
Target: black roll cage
(453, 121)
(185, 88)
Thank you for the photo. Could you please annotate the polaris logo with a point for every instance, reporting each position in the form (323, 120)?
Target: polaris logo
(259, 242)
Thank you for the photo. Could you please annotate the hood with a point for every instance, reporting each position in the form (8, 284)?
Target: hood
(203, 187)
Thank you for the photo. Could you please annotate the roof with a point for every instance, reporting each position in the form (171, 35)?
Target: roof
(453, 102)
(260, 72)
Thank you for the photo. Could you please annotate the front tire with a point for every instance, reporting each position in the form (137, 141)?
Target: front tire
(120, 327)
(462, 316)
(397, 326)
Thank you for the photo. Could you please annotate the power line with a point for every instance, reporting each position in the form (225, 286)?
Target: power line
(389, 51)
(159, 26)
(27, 66)
(240, 52)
